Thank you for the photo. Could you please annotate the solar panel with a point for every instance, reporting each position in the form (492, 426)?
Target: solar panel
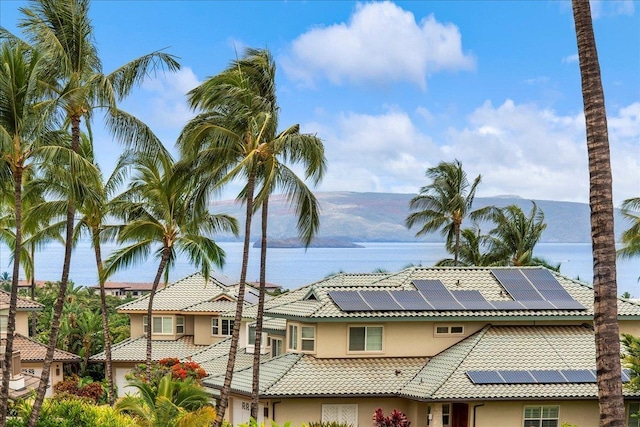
(542, 279)
(349, 301)
(579, 375)
(411, 300)
(472, 300)
(568, 305)
(538, 305)
(446, 305)
(429, 285)
(517, 377)
(380, 300)
(553, 295)
(626, 375)
(548, 377)
(507, 305)
(516, 284)
(485, 377)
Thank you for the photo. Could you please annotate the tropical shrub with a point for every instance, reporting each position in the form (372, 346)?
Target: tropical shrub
(328, 424)
(81, 387)
(178, 370)
(71, 412)
(396, 419)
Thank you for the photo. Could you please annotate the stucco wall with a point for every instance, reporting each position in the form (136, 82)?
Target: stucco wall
(56, 374)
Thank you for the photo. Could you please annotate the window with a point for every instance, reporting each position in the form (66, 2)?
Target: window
(3, 324)
(145, 324)
(632, 419)
(162, 325)
(223, 327)
(293, 337)
(449, 330)
(343, 414)
(179, 324)
(308, 338)
(251, 336)
(446, 415)
(541, 416)
(365, 338)
(276, 347)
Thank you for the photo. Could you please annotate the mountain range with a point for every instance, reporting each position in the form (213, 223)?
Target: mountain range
(380, 217)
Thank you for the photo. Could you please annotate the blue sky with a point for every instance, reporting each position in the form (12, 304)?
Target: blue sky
(393, 88)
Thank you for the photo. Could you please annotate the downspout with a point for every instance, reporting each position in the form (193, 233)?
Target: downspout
(273, 410)
(474, 413)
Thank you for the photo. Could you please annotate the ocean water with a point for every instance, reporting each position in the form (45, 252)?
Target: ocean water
(292, 268)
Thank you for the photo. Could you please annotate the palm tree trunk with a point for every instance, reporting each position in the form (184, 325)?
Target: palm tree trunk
(64, 281)
(34, 318)
(221, 407)
(607, 335)
(166, 252)
(105, 318)
(255, 387)
(456, 254)
(13, 299)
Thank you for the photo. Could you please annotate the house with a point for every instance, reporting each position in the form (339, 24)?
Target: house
(28, 354)
(125, 290)
(187, 320)
(449, 347)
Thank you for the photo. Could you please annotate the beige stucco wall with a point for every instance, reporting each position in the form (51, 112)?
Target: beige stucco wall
(55, 374)
(583, 413)
(332, 338)
(22, 323)
(299, 411)
(630, 327)
(135, 322)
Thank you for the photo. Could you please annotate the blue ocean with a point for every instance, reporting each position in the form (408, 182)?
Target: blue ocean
(292, 268)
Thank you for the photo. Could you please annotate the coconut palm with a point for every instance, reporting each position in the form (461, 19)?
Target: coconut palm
(23, 138)
(170, 403)
(290, 146)
(474, 250)
(631, 237)
(160, 216)
(62, 31)
(444, 203)
(605, 316)
(227, 140)
(516, 234)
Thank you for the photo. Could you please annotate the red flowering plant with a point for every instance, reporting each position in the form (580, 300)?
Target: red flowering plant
(396, 419)
(188, 370)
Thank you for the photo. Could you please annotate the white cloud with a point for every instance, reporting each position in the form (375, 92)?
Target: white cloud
(537, 154)
(384, 153)
(569, 59)
(381, 43)
(601, 8)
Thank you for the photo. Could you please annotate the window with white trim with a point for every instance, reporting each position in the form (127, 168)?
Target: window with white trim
(447, 330)
(221, 327)
(446, 415)
(365, 338)
(541, 416)
(276, 347)
(633, 416)
(179, 324)
(162, 325)
(308, 338)
(145, 324)
(293, 337)
(340, 413)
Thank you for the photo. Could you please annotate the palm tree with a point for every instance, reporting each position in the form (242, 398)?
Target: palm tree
(160, 216)
(22, 138)
(444, 203)
(473, 250)
(62, 30)
(605, 316)
(631, 237)
(170, 403)
(515, 234)
(226, 140)
(290, 146)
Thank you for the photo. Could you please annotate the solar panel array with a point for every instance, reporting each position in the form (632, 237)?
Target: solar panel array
(531, 289)
(559, 376)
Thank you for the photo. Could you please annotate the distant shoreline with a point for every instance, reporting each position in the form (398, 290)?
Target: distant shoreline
(293, 243)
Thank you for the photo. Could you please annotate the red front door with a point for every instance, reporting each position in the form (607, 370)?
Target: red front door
(459, 415)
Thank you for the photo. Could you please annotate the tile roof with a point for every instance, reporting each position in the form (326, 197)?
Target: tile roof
(31, 383)
(313, 301)
(293, 374)
(180, 295)
(213, 359)
(34, 351)
(135, 350)
(509, 348)
(24, 304)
